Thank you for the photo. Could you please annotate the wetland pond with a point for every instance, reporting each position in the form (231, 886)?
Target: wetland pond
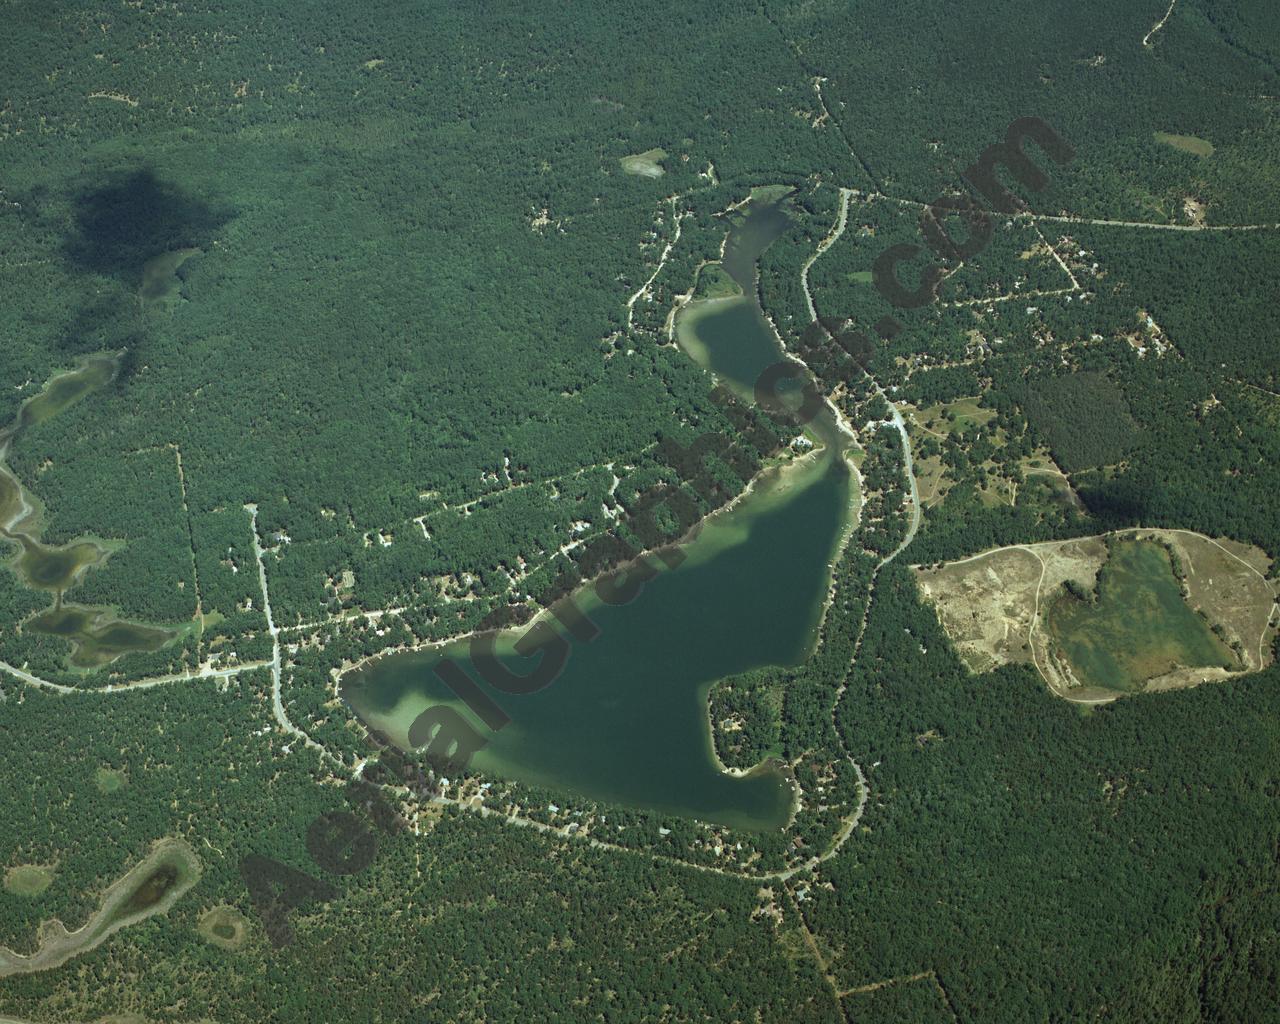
(1138, 626)
(168, 872)
(626, 721)
(96, 636)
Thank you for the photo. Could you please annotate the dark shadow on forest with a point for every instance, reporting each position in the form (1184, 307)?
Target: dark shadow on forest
(1120, 502)
(121, 223)
(107, 324)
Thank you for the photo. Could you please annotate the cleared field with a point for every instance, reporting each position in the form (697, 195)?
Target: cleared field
(931, 479)
(989, 604)
(1186, 143)
(1226, 582)
(996, 608)
(647, 164)
(29, 879)
(1040, 466)
(938, 423)
(950, 417)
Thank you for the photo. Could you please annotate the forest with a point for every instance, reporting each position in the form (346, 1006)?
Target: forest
(381, 274)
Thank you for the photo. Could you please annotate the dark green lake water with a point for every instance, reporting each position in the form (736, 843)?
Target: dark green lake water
(730, 336)
(97, 637)
(626, 721)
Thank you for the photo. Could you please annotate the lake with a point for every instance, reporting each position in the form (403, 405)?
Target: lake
(626, 721)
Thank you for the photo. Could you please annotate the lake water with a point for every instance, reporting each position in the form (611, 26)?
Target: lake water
(626, 721)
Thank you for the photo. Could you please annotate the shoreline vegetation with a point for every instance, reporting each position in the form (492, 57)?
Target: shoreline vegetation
(400, 361)
(690, 308)
(583, 594)
(776, 482)
(694, 309)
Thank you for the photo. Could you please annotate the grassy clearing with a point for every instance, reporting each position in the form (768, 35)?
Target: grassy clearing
(29, 879)
(764, 195)
(953, 417)
(1186, 143)
(938, 423)
(1225, 582)
(208, 620)
(1039, 468)
(110, 780)
(932, 480)
(647, 164)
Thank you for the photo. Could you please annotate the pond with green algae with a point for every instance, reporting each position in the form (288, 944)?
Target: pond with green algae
(1138, 626)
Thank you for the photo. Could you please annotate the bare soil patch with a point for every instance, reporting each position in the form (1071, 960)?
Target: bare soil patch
(988, 604)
